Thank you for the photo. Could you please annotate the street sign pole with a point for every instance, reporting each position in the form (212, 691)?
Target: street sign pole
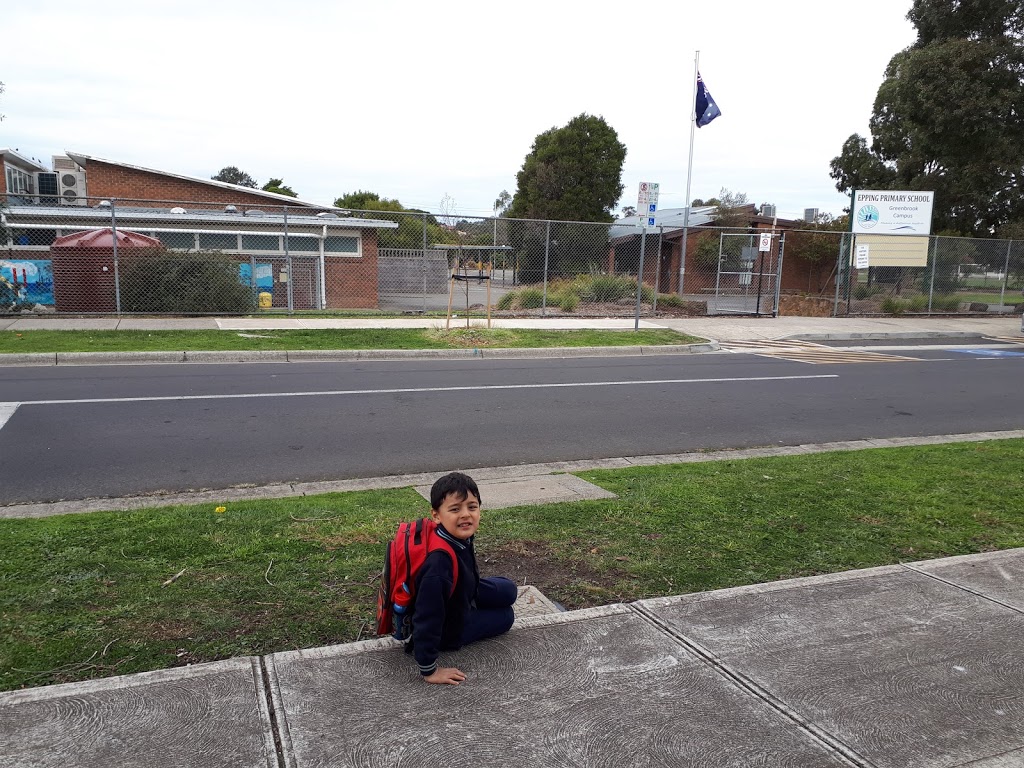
(646, 207)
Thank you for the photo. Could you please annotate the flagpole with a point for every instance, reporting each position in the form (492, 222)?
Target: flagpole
(689, 172)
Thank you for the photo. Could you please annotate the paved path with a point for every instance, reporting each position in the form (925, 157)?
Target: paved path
(718, 328)
(915, 665)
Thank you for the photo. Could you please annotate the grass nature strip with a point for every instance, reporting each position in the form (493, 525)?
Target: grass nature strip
(332, 338)
(99, 594)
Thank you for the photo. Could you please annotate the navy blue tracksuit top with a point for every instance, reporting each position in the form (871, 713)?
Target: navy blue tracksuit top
(439, 614)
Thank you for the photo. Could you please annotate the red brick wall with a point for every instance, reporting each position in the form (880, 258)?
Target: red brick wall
(107, 180)
(352, 282)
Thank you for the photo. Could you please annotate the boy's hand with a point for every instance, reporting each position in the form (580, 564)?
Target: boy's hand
(446, 676)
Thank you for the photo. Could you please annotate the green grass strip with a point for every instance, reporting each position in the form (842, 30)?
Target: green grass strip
(93, 595)
(361, 338)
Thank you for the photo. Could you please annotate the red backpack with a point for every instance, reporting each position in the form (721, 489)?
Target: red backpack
(402, 561)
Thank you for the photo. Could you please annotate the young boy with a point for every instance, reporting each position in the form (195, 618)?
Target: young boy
(479, 608)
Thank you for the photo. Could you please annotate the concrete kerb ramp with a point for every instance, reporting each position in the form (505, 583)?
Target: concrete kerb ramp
(906, 666)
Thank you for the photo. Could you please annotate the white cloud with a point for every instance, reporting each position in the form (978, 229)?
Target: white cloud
(416, 101)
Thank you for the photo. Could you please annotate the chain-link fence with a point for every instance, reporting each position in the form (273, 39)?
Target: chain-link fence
(174, 257)
(957, 275)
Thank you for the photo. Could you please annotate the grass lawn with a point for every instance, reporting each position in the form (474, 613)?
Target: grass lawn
(98, 594)
(360, 338)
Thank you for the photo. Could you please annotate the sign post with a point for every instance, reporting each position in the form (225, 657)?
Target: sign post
(646, 206)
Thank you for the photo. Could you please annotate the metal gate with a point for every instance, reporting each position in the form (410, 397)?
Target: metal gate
(748, 278)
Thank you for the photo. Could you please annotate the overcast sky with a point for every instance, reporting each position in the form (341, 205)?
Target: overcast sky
(417, 101)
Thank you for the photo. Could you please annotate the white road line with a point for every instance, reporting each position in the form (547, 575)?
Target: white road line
(6, 411)
(329, 393)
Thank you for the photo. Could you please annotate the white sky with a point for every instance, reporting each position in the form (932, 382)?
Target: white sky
(416, 101)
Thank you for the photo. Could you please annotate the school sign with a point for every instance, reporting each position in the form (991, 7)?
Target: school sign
(890, 228)
(877, 212)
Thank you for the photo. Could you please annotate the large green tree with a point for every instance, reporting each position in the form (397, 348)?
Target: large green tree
(278, 186)
(949, 117)
(409, 234)
(232, 175)
(572, 173)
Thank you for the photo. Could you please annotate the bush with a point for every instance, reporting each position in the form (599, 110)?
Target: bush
(670, 300)
(893, 306)
(606, 288)
(948, 303)
(506, 301)
(919, 303)
(531, 298)
(183, 283)
(864, 291)
(569, 301)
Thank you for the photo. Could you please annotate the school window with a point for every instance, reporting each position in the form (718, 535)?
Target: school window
(303, 244)
(217, 241)
(261, 243)
(19, 182)
(341, 244)
(179, 241)
(27, 237)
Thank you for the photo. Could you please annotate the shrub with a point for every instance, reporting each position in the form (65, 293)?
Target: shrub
(606, 288)
(531, 298)
(569, 301)
(506, 301)
(893, 306)
(948, 303)
(183, 283)
(670, 300)
(919, 303)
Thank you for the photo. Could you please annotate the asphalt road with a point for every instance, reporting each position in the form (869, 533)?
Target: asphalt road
(93, 431)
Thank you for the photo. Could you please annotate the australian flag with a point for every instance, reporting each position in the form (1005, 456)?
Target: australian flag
(706, 108)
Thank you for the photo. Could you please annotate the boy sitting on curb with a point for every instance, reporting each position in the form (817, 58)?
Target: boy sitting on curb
(443, 620)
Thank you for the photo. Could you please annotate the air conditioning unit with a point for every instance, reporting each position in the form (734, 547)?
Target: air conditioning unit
(64, 163)
(768, 210)
(71, 186)
(47, 188)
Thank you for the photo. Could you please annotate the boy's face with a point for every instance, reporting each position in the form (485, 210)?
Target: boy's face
(460, 517)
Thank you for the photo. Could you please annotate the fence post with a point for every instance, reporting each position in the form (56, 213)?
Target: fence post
(657, 269)
(1006, 274)
(547, 253)
(778, 273)
(288, 262)
(640, 277)
(839, 273)
(935, 263)
(424, 260)
(117, 272)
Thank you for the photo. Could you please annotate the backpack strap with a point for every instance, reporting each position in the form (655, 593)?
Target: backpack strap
(435, 542)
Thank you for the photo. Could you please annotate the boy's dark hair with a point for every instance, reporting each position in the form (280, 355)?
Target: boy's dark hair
(454, 482)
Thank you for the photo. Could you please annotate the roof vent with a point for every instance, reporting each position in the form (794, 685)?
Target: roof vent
(102, 204)
(230, 209)
(178, 210)
(327, 215)
(254, 212)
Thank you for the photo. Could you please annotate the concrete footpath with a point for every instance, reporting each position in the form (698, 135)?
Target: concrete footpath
(714, 329)
(916, 665)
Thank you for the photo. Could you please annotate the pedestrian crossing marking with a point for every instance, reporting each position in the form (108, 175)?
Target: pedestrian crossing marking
(1006, 339)
(809, 352)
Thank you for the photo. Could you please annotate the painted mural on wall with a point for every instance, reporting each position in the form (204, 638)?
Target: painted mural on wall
(31, 279)
(264, 276)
